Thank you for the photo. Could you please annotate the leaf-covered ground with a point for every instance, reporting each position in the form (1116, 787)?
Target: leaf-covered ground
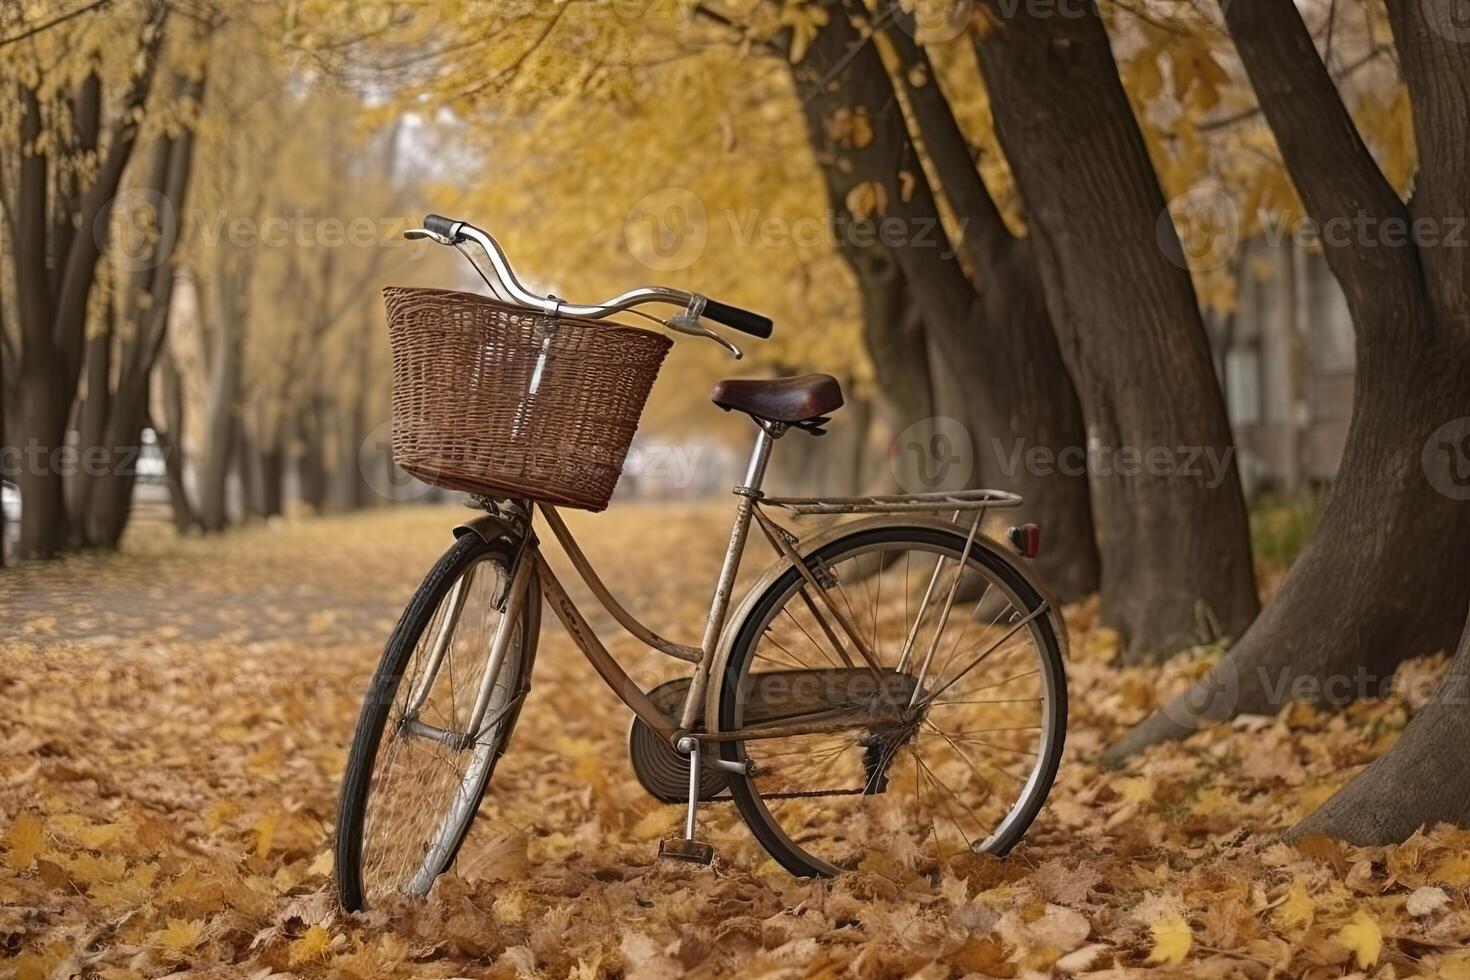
(175, 721)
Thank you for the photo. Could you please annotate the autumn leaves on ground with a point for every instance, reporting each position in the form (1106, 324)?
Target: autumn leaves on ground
(175, 726)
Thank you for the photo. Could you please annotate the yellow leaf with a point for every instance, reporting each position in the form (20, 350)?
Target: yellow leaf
(1454, 966)
(312, 944)
(180, 934)
(321, 865)
(804, 21)
(1454, 870)
(1139, 790)
(264, 830)
(220, 814)
(906, 184)
(1364, 938)
(867, 199)
(24, 841)
(1172, 940)
(1297, 909)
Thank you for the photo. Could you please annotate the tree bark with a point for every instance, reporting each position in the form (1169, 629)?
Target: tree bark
(221, 402)
(111, 506)
(56, 253)
(1423, 780)
(171, 443)
(1171, 518)
(1383, 576)
(997, 340)
(44, 399)
(311, 468)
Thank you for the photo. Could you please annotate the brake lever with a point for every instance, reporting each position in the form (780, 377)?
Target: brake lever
(684, 323)
(414, 234)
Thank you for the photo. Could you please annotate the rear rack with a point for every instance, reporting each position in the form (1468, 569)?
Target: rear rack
(902, 503)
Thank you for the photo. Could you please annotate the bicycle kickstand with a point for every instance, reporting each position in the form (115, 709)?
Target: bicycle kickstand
(687, 848)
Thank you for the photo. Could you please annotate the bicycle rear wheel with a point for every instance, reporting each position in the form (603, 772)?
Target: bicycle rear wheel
(415, 774)
(948, 743)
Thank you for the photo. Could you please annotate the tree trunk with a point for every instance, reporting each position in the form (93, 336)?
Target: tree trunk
(272, 469)
(311, 469)
(1383, 576)
(997, 340)
(350, 487)
(220, 408)
(1171, 518)
(247, 473)
(56, 257)
(108, 504)
(1424, 779)
(92, 428)
(171, 444)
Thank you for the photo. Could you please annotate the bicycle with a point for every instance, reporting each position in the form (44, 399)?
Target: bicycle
(835, 728)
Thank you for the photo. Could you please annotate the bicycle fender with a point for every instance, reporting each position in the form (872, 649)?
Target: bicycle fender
(810, 545)
(490, 528)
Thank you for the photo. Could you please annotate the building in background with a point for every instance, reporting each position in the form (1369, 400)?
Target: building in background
(1286, 362)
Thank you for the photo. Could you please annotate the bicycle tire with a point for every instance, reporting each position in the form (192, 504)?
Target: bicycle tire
(353, 801)
(746, 795)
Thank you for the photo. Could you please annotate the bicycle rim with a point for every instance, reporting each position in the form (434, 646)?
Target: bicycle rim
(960, 745)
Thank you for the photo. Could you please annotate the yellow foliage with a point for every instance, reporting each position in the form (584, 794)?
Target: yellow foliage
(25, 839)
(1364, 938)
(312, 945)
(180, 935)
(1171, 940)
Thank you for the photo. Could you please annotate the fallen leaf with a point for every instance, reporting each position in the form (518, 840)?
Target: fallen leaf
(180, 935)
(1172, 940)
(24, 840)
(1426, 901)
(1364, 938)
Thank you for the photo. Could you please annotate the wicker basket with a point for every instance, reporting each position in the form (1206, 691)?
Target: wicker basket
(508, 402)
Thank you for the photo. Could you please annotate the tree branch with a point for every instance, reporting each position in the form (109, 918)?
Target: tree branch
(1435, 64)
(1333, 170)
(984, 234)
(87, 247)
(53, 22)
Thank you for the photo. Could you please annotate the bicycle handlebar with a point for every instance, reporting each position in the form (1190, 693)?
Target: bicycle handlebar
(452, 232)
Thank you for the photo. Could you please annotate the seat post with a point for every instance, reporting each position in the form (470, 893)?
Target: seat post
(760, 455)
(746, 494)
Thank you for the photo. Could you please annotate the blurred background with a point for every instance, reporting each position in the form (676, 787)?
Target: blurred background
(203, 198)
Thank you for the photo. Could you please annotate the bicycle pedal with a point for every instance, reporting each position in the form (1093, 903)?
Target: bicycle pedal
(683, 849)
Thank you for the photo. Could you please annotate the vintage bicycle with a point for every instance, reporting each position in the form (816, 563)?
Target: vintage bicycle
(893, 681)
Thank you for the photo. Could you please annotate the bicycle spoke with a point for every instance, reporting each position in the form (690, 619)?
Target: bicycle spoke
(955, 791)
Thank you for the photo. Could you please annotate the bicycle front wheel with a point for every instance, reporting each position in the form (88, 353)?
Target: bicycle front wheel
(948, 717)
(416, 773)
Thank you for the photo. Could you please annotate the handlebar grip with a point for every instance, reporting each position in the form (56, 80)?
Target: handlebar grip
(440, 225)
(743, 320)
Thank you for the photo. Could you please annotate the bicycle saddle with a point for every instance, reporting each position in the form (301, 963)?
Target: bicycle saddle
(790, 400)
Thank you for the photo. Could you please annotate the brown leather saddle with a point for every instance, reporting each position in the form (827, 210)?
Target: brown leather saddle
(804, 401)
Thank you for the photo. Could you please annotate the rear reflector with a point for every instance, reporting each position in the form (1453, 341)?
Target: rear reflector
(1026, 539)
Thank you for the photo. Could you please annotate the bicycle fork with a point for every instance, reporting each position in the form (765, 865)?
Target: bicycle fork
(515, 602)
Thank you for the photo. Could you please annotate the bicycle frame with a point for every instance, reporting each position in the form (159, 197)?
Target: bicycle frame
(750, 501)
